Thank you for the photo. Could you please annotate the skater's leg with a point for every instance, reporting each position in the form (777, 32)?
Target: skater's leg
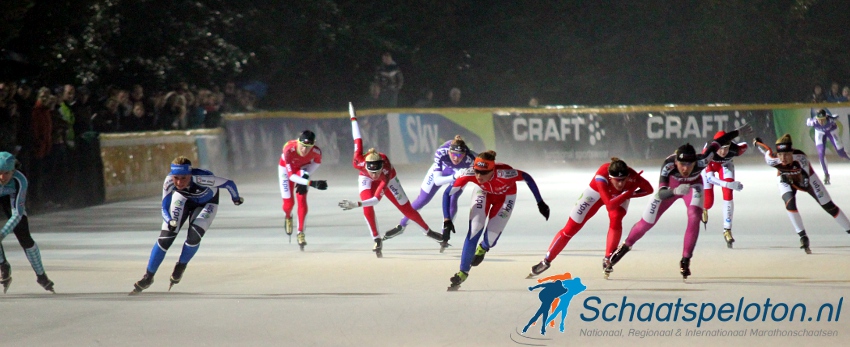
(821, 156)
(453, 202)
(582, 211)
(790, 198)
(653, 212)
(839, 147)
(22, 233)
(286, 191)
(423, 199)
(302, 210)
(395, 193)
(500, 208)
(615, 229)
(694, 209)
(367, 191)
(477, 220)
(201, 221)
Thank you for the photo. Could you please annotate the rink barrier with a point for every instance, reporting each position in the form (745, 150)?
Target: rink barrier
(135, 164)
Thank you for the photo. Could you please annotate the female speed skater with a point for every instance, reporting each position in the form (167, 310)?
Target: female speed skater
(796, 173)
(188, 194)
(14, 185)
(614, 184)
(825, 128)
(492, 204)
(378, 178)
(721, 163)
(300, 158)
(449, 161)
(680, 178)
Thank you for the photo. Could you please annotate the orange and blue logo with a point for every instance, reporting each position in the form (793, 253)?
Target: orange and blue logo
(556, 293)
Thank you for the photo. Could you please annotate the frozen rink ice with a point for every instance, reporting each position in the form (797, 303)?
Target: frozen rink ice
(249, 286)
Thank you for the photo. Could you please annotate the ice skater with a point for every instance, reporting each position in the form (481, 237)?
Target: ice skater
(826, 127)
(188, 194)
(299, 160)
(796, 173)
(492, 204)
(613, 186)
(721, 164)
(449, 161)
(14, 185)
(377, 178)
(574, 287)
(680, 179)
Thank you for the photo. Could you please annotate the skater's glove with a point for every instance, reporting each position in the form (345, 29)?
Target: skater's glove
(172, 225)
(682, 189)
(300, 189)
(544, 209)
(351, 113)
(348, 204)
(757, 140)
(238, 201)
(735, 185)
(448, 226)
(320, 185)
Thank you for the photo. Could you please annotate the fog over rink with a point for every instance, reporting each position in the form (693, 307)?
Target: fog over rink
(249, 286)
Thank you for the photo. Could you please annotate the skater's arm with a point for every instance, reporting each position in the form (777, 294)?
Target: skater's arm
(166, 208)
(447, 195)
(644, 188)
(444, 177)
(531, 185)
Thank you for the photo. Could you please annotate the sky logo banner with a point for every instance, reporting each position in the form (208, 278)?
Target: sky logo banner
(415, 137)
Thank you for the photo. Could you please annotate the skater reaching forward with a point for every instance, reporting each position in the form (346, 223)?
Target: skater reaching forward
(826, 128)
(378, 178)
(680, 179)
(449, 161)
(796, 173)
(492, 204)
(188, 194)
(721, 163)
(613, 186)
(14, 185)
(300, 158)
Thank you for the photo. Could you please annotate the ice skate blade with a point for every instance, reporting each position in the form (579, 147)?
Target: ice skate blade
(6, 284)
(171, 285)
(530, 276)
(605, 275)
(453, 288)
(379, 254)
(135, 292)
(808, 250)
(302, 247)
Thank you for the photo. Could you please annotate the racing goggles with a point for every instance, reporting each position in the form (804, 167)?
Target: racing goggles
(307, 144)
(374, 166)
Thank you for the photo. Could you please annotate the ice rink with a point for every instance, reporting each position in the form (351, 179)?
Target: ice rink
(249, 286)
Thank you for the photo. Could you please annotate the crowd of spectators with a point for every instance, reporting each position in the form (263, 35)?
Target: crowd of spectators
(388, 82)
(835, 93)
(53, 131)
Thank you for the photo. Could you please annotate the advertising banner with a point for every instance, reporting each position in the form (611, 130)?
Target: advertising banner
(415, 137)
(554, 137)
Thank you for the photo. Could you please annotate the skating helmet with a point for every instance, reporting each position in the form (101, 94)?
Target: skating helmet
(784, 144)
(307, 138)
(719, 138)
(686, 154)
(822, 113)
(7, 161)
(618, 168)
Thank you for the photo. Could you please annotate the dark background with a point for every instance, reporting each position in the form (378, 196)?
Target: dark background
(319, 54)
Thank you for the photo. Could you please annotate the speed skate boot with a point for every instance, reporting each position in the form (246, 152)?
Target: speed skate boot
(804, 244)
(456, 280)
(619, 254)
(378, 247)
(177, 275)
(143, 283)
(826, 179)
(45, 282)
(685, 267)
(5, 275)
(302, 241)
(607, 267)
(434, 235)
(727, 234)
(479, 255)
(538, 269)
(288, 225)
(398, 230)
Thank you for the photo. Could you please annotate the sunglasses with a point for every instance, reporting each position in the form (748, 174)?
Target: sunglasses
(308, 145)
(482, 172)
(456, 154)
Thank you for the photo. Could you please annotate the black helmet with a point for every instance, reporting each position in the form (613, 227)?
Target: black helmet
(307, 138)
(686, 153)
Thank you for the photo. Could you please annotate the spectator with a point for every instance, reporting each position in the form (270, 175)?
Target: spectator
(67, 99)
(834, 92)
(24, 101)
(82, 111)
(42, 131)
(817, 96)
(426, 100)
(373, 100)
(57, 160)
(845, 94)
(139, 119)
(454, 98)
(197, 112)
(230, 102)
(391, 80)
(213, 108)
(108, 118)
(533, 102)
(8, 119)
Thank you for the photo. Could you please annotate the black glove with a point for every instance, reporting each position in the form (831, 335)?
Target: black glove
(757, 140)
(300, 189)
(238, 201)
(447, 227)
(544, 209)
(320, 185)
